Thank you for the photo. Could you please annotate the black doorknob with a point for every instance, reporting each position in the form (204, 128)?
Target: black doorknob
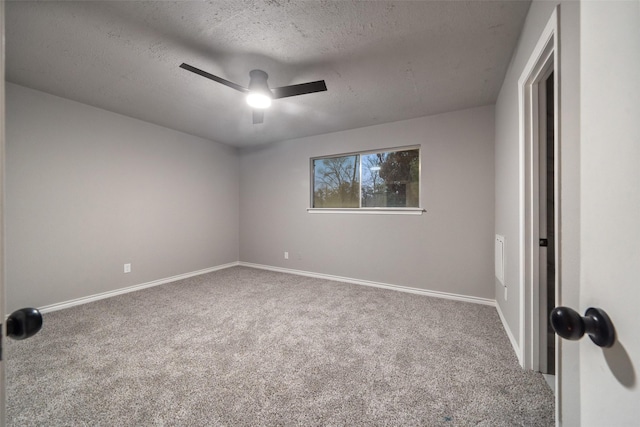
(569, 325)
(24, 323)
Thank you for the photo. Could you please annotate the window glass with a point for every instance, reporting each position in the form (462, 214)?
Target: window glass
(336, 182)
(391, 179)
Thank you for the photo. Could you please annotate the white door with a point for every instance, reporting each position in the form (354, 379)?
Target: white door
(2, 400)
(610, 208)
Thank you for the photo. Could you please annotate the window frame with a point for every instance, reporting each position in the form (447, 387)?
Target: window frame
(367, 210)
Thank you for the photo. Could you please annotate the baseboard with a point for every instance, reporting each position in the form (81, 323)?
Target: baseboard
(512, 339)
(109, 294)
(436, 294)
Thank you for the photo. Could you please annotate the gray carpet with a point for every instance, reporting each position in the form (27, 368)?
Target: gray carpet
(246, 347)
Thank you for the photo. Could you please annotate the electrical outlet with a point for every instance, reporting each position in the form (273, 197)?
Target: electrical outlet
(286, 255)
(127, 268)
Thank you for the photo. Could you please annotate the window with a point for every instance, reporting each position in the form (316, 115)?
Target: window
(367, 180)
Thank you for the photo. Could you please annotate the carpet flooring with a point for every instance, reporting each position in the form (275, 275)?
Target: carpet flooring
(247, 347)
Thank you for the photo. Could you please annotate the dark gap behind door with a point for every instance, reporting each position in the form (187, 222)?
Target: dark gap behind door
(551, 255)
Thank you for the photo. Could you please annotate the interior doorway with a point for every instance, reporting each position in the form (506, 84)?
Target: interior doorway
(540, 222)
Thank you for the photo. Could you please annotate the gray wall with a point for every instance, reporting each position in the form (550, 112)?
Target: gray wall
(448, 249)
(507, 172)
(88, 190)
(507, 180)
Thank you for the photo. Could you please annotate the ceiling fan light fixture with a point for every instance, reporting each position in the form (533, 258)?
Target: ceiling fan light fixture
(258, 100)
(259, 94)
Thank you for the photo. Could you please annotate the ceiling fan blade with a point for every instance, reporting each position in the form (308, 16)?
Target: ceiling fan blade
(301, 89)
(258, 116)
(232, 85)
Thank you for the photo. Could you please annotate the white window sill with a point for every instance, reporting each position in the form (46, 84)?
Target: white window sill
(369, 211)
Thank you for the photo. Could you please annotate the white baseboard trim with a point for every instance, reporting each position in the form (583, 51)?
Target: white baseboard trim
(109, 294)
(436, 294)
(512, 339)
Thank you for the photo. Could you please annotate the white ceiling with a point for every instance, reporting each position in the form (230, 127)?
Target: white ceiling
(382, 61)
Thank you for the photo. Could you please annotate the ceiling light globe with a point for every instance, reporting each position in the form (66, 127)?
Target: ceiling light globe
(258, 100)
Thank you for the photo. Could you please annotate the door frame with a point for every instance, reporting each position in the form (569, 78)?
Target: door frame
(544, 59)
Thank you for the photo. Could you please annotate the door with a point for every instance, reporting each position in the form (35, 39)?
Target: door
(2, 334)
(26, 322)
(610, 208)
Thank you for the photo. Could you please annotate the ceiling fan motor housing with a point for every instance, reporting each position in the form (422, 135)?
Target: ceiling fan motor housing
(258, 82)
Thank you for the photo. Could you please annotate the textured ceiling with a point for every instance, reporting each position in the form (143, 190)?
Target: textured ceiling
(382, 61)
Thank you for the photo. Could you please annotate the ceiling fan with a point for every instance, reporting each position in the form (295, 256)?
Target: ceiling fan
(259, 95)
